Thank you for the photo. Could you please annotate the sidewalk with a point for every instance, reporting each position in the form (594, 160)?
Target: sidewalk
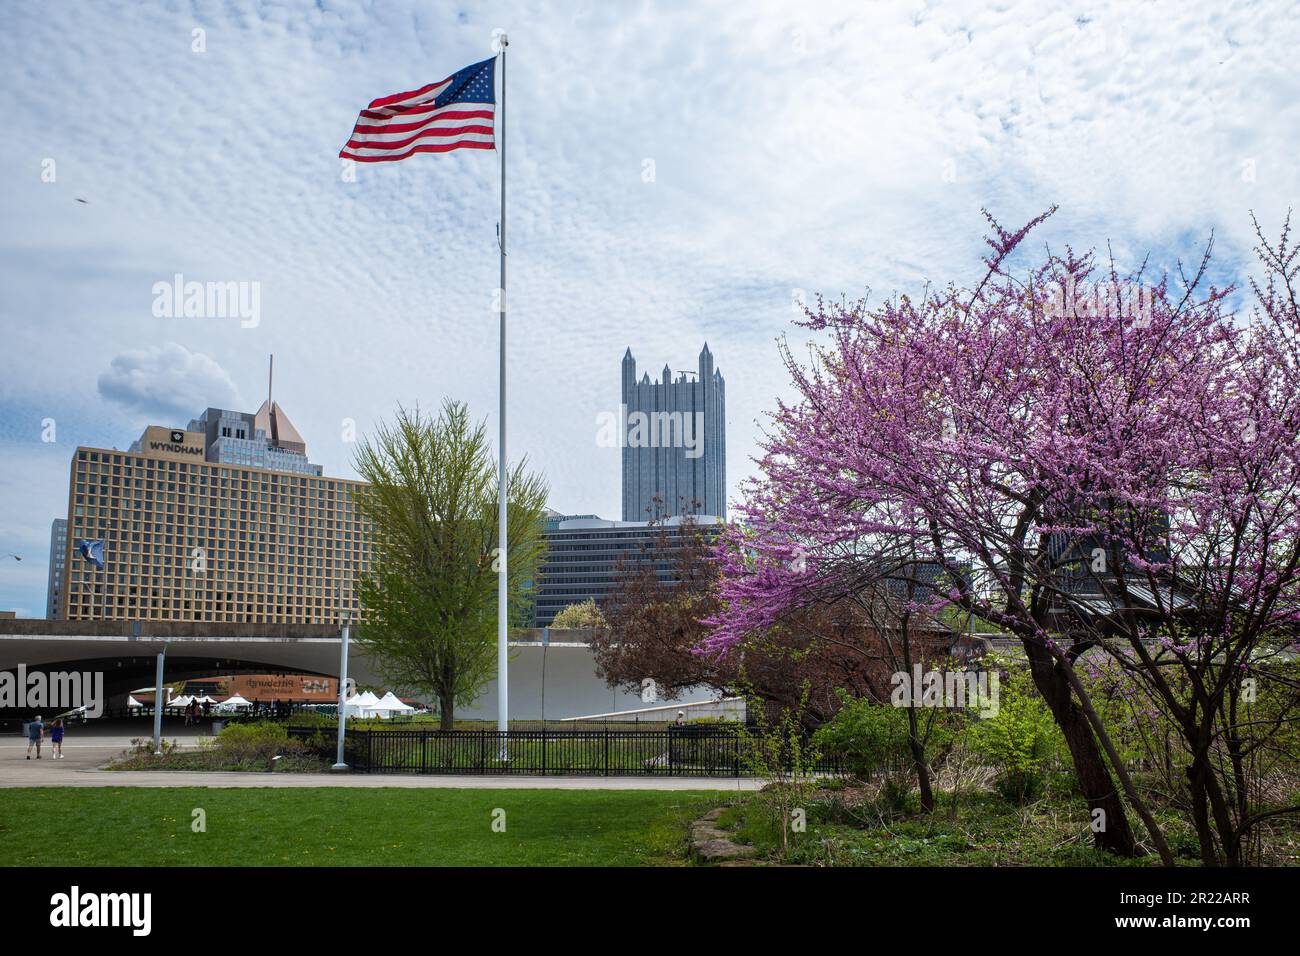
(80, 769)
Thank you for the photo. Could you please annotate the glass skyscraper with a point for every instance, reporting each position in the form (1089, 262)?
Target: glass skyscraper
(674, 441)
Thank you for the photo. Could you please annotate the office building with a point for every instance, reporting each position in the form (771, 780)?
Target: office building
(225, 520)
(58, 563)
(674, 441)
(582, 554)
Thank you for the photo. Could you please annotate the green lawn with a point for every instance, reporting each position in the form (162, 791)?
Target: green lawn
(345, 827)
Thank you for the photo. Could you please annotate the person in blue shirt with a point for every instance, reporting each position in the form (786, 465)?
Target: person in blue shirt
(35, 734)
(56, 738)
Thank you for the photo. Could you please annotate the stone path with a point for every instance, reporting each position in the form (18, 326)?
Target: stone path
(712, 845)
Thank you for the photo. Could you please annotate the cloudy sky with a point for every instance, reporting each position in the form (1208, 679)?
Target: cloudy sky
(677, 172)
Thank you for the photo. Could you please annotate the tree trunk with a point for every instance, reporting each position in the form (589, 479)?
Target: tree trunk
(446, 710)
(1089, 767)
(922, 770)
(1200, 814)
(1209, 805)
(913, 730)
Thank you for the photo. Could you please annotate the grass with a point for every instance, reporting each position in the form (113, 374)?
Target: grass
(345, 827)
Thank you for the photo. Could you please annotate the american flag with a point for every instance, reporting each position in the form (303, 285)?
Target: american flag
(454, 114)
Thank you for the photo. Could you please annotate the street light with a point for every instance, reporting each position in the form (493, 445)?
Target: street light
(339, 763)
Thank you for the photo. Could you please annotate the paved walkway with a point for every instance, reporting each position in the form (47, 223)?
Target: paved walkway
(85, 755)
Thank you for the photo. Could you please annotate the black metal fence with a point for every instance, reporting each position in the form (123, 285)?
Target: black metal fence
(689, 751)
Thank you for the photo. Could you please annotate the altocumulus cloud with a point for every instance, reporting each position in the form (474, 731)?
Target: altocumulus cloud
(169, 380)
(679, 173)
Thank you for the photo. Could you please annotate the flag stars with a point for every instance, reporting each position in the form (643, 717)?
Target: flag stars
(474, 84)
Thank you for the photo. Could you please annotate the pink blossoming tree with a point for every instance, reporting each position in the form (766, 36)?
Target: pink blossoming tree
(1102, 464)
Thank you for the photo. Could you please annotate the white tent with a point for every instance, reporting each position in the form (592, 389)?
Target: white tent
(132, 702)
(231, 703)
(389, 705)
(205, 699)
(180, 702)
(361, 705)
(358, 706)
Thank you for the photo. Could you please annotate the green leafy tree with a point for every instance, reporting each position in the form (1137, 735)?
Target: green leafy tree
(583, 614)
(429, 598)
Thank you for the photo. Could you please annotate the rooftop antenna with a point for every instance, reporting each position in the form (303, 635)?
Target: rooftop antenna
(270, 406)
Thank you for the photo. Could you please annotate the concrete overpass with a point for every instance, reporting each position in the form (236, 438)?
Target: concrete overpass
(552, 673)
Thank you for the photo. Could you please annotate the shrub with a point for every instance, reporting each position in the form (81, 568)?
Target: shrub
(257, 742)
(777, 750)
(584, 614)
(865, 736)
(1018, 741)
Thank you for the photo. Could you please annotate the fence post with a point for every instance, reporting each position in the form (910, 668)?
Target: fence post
(670, 751)
(606, 749)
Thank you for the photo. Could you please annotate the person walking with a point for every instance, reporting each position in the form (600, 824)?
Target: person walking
(56, 738)
(35, 734)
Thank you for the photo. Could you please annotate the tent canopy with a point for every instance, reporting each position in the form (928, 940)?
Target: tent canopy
(366, 704)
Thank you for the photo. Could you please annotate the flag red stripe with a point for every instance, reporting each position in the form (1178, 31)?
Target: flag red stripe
(413, 110)
(425, 134)
(399, 97)
(419, 148)
(407, 127)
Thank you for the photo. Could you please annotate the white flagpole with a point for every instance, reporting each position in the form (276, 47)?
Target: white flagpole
(503, 692)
